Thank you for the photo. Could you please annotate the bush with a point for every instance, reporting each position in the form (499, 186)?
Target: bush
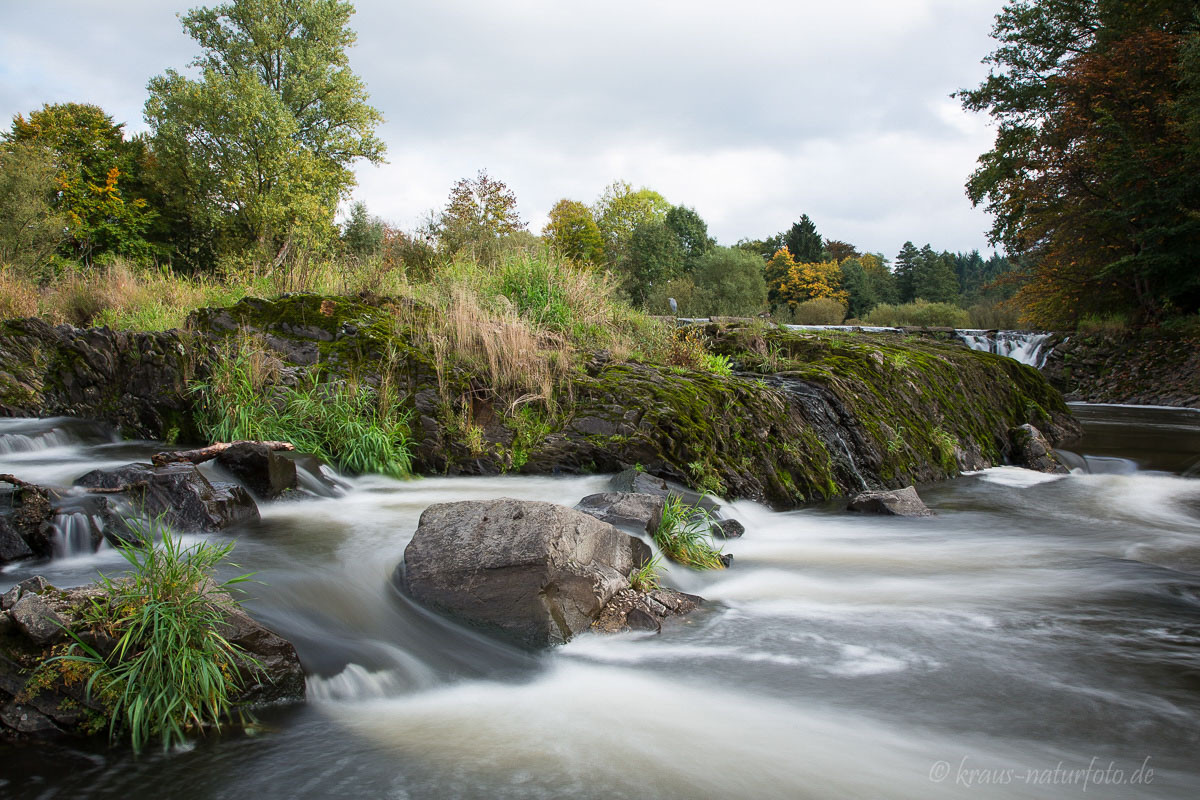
(994, 316)
(818, 311)
(920, 313)
(170, 671)
(1106, 325)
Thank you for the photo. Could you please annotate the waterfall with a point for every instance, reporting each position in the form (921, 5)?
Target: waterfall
(75, 534)
(1023, 346)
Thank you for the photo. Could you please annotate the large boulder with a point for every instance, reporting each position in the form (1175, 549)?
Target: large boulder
(1032, 451)
(180, 492)
(898, 503)
(531, 572)
(26, 523)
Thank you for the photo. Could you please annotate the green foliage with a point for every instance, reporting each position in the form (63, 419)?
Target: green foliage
(1103, 324)
(620, 210)
(363, 234)
(479, 214)
(994, 315)
(717, 364)
(572, 231)
(731, 281)
(920, 313)
(259, 149)
(654, 255)
(867, 283)
(31, 229)
(99, 187)
(171, 672)
(348, 424)
(684, 534)
(803, 241)
(692, 232)
(818, 311)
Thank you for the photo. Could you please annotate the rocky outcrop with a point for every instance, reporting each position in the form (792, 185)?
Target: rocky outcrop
(533, 573)
(180, 492)
(135, 381)
(897, 503)
(1032, 451)
(42, 696)
(1149, 367)
(26, 529)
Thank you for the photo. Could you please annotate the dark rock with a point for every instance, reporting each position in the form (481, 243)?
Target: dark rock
(179, 491)
(728, 529)
(1032, 451)
(641, 512)
(639, 619)
(278, 675)
(37, 620)
(726, 559)
(26, 513)
(13, 546)
(35, 585)
(266, 473)
(898, 502)
(636, 481)
(27, 720)
(535, 573)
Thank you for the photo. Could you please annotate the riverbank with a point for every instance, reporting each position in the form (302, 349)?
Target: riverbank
(1145, 368)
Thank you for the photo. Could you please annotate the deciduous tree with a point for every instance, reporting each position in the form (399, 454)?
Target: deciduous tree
(572, 230)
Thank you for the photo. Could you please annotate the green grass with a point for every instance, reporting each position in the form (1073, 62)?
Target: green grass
(684, 535)
(171, 672)
(646, 577)
(351, 425)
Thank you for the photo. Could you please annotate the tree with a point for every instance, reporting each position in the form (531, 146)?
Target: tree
(731, 281)
(906, 264)
(933, 277)
(260, 147)
(655, 255)
(620, 210)
(775, 273)
(803, 241)
(867, 283)
(30, 227)
(98, 187)
(813, 280)
(839, 251)
(363, 234)
(478, 215)
(1094, 177)
(692, 232)
(572, 230)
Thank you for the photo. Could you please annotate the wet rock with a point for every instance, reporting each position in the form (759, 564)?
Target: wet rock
(37, 620)
(34, 585)
(630, 609)
(534, 573)
(266, 473)
(641, 512)
(635, 481)
(179, 491)
(1032, 451)
(728, 529)
(726, 560)
(13, 546)
(27, 720)
(278, 675)
(899, 503)
(26, 513)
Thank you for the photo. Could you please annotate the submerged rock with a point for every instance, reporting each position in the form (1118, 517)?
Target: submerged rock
(898, 503)
(1032, 451)
(42, 697)
(531, 572)
(180, 492)
(641, 512)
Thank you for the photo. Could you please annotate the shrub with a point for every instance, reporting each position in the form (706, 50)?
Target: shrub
(994, 316)
(818, 311)
(920, 313)
(684, 534)
(171, 671)
(1103, 325)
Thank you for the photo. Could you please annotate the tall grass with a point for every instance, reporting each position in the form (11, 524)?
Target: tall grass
(919, 313)
(352, 425)
(684, 534)
(170, 671)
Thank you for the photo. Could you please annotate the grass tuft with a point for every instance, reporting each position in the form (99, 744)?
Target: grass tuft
(685, 535)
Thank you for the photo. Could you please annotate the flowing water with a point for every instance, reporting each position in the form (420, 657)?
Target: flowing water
(1040, 637)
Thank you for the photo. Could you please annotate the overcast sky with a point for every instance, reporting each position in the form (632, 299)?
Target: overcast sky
(752, 112)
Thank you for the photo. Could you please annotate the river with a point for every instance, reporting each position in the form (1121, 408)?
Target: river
(1039, 637)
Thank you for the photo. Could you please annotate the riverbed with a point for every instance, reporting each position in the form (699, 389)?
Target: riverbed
(1039, 637)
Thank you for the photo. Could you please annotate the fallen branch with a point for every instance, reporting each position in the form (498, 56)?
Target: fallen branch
(15, 481)
(202, 454)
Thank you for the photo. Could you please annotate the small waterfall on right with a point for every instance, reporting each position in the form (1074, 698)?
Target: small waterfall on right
(1023, 346)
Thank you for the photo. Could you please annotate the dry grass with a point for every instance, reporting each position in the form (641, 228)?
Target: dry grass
(18, 295)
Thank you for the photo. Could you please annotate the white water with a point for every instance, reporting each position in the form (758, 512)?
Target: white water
(1023, 346)
(1036, 621)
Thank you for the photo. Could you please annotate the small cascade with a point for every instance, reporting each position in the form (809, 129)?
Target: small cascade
(33, 441)
(1023, 346)
(76, 534)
